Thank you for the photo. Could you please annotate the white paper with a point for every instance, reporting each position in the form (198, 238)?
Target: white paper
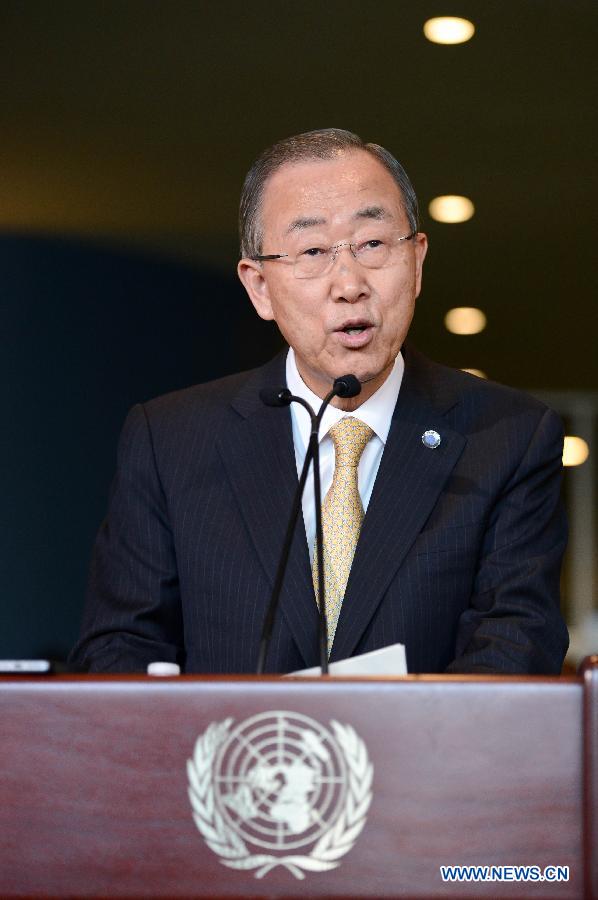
(386, 661)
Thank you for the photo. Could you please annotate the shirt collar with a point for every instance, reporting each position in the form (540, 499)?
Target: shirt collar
(376, 411)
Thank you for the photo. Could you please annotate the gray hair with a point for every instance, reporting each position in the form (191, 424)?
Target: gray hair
(326, 143)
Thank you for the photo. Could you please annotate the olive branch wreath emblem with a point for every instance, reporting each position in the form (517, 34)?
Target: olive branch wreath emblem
(232, 850)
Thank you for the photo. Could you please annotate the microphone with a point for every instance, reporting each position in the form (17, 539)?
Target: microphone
(276, 396)
(346, 386)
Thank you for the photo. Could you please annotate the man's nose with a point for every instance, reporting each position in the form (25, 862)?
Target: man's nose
(348, 275)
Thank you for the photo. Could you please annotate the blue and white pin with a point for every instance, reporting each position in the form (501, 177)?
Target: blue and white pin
(431, 439)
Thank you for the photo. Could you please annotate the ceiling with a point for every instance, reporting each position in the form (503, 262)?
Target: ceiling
(135, 122)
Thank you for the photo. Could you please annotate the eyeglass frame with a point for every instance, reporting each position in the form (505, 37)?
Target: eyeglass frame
(332, 251)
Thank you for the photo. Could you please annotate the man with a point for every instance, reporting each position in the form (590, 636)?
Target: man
(458, 553)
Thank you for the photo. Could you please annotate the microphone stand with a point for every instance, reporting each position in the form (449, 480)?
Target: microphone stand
(347, 386)
(319, 547)
(286, 547)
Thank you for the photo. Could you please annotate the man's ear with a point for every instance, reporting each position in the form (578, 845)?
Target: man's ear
(252, 278)
(421, 248)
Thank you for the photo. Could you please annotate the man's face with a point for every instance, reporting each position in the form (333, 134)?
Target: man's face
(316, 204)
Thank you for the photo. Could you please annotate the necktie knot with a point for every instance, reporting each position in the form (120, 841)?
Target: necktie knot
(349, 437)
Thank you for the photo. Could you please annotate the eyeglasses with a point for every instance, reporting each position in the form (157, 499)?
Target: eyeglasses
(314, 262)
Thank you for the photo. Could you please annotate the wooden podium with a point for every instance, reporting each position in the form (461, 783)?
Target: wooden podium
(138, 787)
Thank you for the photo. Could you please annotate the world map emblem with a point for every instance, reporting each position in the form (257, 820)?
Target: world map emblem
(280, 789)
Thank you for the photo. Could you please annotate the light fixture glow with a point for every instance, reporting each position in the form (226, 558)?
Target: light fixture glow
(448, 30)
(451, 208)
(575, 451)
(465, 320)
(477, 372)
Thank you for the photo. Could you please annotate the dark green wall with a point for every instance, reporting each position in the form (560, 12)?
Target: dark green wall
(86, 332)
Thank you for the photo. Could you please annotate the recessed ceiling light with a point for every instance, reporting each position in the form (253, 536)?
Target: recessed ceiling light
(575, 451)
(448, 30)
(477, 372)
(465, 320)
(451, 208)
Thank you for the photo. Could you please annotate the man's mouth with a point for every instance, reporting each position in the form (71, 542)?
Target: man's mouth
(355, 332)
(354, 326)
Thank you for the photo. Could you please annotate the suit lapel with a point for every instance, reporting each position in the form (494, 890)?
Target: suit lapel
(259, 458)
(409, 481)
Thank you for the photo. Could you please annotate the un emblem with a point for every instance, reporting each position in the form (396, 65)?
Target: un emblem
(276, 784)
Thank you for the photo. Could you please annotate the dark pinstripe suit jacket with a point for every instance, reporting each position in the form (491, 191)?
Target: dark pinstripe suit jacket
(458, 558)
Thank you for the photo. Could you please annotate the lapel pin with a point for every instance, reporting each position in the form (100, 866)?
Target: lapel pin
(431, 439)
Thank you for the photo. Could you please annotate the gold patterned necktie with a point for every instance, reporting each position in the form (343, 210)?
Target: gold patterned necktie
(342, 515)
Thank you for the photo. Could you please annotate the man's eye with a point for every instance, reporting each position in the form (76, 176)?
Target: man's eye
(372, 245)
(313, 251)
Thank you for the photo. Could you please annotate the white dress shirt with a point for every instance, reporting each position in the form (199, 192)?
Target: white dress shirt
(375, 412)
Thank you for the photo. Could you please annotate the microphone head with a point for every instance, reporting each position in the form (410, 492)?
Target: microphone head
(280, 396)
(347, 386)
